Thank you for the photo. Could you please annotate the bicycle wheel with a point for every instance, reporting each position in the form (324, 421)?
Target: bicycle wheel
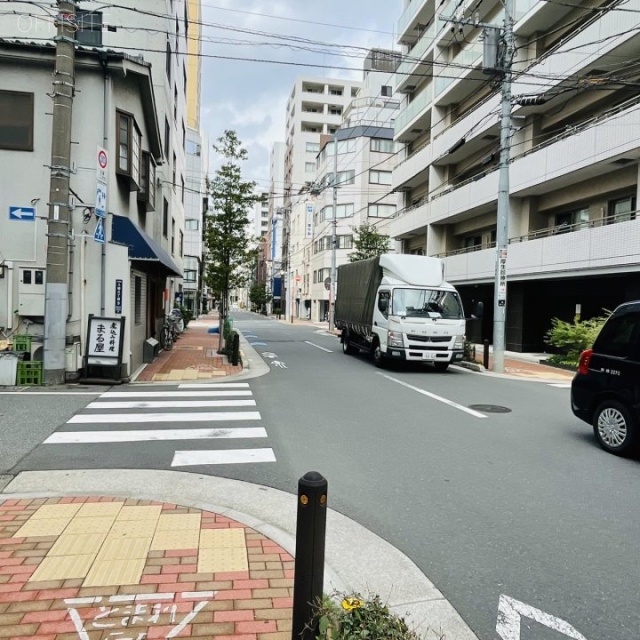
(166, 338)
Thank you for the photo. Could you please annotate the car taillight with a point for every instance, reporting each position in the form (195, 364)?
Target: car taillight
(583, 363)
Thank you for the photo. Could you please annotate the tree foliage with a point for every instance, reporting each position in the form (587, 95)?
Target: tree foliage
(258, 295)
(368, 242)
(230, 249)
(572, 338)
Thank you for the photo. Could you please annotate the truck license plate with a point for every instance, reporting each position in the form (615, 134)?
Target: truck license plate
(428, 356)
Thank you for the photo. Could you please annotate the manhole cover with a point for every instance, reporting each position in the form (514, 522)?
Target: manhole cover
(489, 408)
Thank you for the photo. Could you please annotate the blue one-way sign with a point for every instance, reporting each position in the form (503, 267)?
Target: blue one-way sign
(22, 213)
(98, 234)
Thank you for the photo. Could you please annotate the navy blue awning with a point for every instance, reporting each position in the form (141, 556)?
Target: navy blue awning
(142, 247)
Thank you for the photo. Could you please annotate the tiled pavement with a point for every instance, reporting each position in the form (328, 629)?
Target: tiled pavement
(98, 568)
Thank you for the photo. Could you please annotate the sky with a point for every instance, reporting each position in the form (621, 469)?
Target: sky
(250, 96)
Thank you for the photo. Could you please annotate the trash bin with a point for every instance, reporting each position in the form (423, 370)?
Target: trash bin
(9, 367)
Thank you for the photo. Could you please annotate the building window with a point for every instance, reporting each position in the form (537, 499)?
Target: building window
(168, 61)
(335, 111)
(472, 242)
(191, 224)
(182, 188)
(190, 275)
(310, 167)
(621, 210)
(382, 210)
(173, 182)
(137, 300)
(147, 191)
(382, 145)
(16, 120)
(181, 243)
(313, 147)
(167, 138)
(129, 151)
(386, 91)
(379, 177)
(335, 91)
(165, 219)
(175, 103)
(173, 236)
(89, 32)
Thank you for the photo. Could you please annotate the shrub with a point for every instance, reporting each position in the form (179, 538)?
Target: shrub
(572, 338)
(187, 315)
(357, 618)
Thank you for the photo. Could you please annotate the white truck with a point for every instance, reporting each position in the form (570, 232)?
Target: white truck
(398, 307)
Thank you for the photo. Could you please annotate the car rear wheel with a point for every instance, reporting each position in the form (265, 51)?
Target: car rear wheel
(347, 347)
(614, 428)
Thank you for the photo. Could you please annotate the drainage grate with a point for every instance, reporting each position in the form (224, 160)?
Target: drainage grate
(489, 408)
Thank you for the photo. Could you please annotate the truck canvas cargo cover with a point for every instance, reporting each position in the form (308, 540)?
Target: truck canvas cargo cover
(358, 284)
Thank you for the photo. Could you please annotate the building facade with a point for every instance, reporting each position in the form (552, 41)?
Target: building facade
(574, 142)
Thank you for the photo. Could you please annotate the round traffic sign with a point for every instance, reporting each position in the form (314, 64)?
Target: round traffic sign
(102, 159)
(298, 278)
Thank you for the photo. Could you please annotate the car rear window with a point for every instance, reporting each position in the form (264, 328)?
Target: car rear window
(620, 336)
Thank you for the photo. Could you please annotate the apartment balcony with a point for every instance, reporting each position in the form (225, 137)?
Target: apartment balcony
(596, 148)
(473, 194)
(414, 170)
(418, 12)
(409, 222)
(600, 249)
(417, 63)
(415, 117)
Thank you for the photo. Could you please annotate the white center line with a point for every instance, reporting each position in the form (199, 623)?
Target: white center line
(144, 435)
(455, 405)
(171, 404)
(175, 394)
(317, 346)
(228, 456)
(102, 418)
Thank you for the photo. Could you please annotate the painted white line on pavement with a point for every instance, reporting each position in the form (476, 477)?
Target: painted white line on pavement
(317, 346)
(215, 385)
(144, 435)
(455, 405)
(171, 404)
(49, 393)
(174, 394)
(230, 456)
(101, 418)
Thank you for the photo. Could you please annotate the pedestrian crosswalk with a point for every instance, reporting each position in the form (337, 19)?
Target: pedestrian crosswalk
(172, 439)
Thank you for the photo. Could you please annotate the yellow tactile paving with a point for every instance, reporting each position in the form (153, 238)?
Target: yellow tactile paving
(222, 539)
(179, 522)
(217, 560)
(99, 509)
(107, 573)
(90, 525)
(160, 377)
(57, 511)
(183, 539)
(139, 513)
(63, 568)
(124, 548)
(77, 544)
(133, 529)
(43, 527)
(175, 374)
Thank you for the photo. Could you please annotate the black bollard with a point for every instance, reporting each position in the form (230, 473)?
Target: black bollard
(485, 354)
(235, 349)
(309, 561)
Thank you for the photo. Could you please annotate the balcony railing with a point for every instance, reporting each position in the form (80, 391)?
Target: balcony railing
(413, 57)
(466, 59)
(419, 104)
(409, 14)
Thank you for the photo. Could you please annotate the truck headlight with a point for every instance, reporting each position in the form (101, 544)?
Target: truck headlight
(394, 339)
(458, 342)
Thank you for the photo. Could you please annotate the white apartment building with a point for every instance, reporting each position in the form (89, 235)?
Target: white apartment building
(160, 45)
(273, 245)
(315, 107)
(261, 216)
(574, 236)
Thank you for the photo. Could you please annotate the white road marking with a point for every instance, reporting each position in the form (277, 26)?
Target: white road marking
(455, 405)
(560, 385)
(216, 385)
(511, 611)
(268, 354)
(258, 344)
(49, 393)
(175, 394)
(317, 346)
(230, 456)
(280, 365)
(91, 437)
(101, 418)
(171, 404)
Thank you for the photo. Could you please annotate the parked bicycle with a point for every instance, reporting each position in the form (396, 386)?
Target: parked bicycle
(169, 333)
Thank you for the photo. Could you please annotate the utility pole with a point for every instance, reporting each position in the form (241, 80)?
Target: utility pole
(57, 285)
(334, 238)
(503, 68)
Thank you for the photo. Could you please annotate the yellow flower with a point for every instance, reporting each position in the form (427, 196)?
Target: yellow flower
(351, 603)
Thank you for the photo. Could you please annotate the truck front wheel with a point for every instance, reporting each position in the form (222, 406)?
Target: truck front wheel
(378, 356)
(441, 366)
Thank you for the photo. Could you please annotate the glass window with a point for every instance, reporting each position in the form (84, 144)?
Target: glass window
(313, 147)
(383, 302)
(165, 219)
(190, 275)
(620, 336)
(173, 236)
(379, 177)
(191, 224)
(136, 143)
(26, 276)
(310, 167)
(89, 31)
(382, 145)
(622, 210)
(16, 120)
(123, 143)
(39, 276)
(382, 210)
(427, 303)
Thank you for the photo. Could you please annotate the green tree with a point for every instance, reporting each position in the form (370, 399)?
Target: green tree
(572, 338)
(231, 250)
(258, 295)
(368, 242)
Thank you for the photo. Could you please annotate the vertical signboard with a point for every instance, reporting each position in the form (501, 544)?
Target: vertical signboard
(502, 278)
(118, 301)
(309, 222)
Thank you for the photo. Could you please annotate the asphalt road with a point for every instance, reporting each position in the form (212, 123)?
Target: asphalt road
(520, 504)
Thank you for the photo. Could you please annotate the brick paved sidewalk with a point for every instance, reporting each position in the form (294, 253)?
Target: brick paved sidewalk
(193, 357)
(103, 568)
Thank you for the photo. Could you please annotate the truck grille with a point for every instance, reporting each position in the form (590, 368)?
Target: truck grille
(414, 338)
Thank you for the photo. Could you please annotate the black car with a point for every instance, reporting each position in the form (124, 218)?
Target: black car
(606, 390)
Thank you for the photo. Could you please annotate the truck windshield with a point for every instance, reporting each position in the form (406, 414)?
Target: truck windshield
(426, 303)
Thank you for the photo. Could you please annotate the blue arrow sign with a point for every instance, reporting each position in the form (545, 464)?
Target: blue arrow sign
(22, 213)
(98, 234)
